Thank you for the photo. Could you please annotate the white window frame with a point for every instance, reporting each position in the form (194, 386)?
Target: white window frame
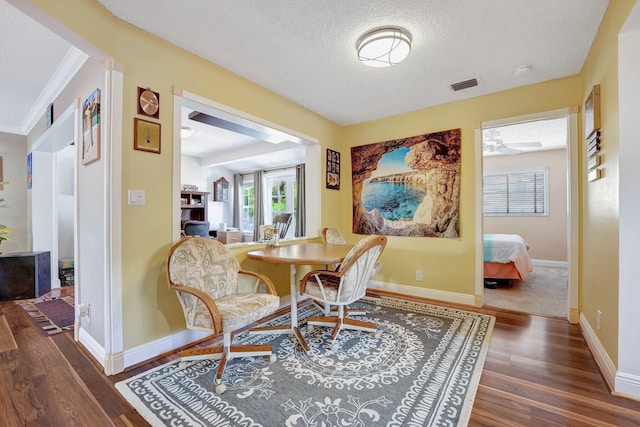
(511, 172)
(247, 182)
(289, 175)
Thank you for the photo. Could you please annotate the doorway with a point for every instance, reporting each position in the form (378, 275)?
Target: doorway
(217, 140)
(53, 201)
(539, 145)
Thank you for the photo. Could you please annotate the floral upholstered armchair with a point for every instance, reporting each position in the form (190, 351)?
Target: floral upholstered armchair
(344, 286)
(204, 275)
(334, 236)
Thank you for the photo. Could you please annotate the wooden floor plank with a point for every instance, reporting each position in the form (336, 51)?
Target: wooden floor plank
(538, 372)
(7, 342)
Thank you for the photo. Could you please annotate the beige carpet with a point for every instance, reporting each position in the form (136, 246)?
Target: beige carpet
(544, 293)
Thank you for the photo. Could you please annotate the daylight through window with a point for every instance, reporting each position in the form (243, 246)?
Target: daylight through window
(516, 193)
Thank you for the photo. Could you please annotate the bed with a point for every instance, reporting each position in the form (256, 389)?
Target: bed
(506, 256)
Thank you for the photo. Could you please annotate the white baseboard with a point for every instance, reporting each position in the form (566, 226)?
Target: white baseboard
(452, 297)
(155, 348)
(92, 346)
(599, 353)
(160, 346)
(549, 263)
(628, 385)
(111, 363)
(116, 363)
(623, 384)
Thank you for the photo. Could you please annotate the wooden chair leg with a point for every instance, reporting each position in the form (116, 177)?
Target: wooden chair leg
(337, 329)
(223, 363)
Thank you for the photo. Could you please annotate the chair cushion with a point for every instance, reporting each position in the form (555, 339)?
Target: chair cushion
(205, 264)
(330, 285)
(239, 310)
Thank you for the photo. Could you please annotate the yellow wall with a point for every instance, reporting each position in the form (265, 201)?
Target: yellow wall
(447, 264)
(151, 62)
(600, 205)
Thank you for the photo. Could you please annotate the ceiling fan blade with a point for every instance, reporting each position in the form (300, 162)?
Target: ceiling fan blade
(506, 150)
(532, 144)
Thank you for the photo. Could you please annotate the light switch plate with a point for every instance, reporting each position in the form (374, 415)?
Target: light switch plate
(136, 198)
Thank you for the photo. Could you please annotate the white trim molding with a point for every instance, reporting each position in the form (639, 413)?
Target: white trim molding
(167, 344)
(600, 355)
(549, 263)
(452, 297)
(573, 219)
(91, 345)
(71, 64)
(627, 385)
(114, 328)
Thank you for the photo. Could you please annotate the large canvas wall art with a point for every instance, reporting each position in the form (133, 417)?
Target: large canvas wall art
(408, 186)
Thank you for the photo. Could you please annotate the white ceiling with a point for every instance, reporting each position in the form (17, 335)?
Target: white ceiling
(305, 51)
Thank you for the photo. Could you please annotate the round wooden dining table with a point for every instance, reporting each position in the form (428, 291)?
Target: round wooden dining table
(294, 255)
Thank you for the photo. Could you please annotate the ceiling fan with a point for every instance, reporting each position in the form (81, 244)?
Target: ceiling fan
(492, 143)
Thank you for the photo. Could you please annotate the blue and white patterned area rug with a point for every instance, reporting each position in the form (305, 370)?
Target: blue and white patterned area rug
(422, 370)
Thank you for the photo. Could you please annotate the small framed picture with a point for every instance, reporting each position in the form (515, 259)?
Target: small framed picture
(267, 231)
(91, 128)
(29, 171)
(146, 136)
(333, 169)
(592, 112)
(49, 116)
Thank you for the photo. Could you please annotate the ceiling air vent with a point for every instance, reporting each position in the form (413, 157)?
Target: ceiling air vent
(464, 85)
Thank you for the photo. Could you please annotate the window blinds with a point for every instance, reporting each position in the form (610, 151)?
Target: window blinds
(516, 193)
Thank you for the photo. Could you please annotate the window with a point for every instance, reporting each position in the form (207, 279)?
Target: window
(281, 187)
(279, 197)
(516, 193)
(248, 203)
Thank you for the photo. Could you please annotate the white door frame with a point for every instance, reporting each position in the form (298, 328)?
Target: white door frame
(573, 177)
(45, 236)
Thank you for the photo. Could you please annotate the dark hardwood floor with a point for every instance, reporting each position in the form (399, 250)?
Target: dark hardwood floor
(538, 372)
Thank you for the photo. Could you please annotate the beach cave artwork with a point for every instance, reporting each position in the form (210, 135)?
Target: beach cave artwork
(408, 186)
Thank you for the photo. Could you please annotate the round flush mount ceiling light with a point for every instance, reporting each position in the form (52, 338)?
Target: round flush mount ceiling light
(384, 47)
(187, 131)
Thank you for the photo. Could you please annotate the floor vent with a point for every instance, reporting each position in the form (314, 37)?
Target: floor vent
(464, 85)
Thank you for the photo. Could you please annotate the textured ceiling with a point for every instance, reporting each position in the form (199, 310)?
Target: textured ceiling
(305, 51)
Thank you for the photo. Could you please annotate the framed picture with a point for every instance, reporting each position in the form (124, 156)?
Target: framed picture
(267, 231)
(148, 103)
(221, 190)
(29, 171)
(146, 136)
(49, 116)
(592, 112)
(91, 128)
(333, 169)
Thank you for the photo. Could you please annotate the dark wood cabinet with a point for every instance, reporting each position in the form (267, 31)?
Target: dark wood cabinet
(24, 275)
(194, 206)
